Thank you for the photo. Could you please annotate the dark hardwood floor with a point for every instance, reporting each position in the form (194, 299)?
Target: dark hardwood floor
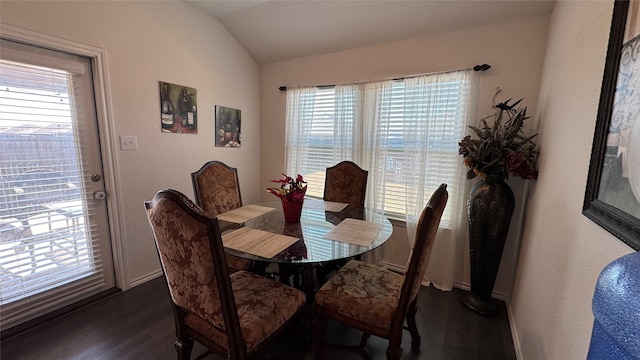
(138, 324)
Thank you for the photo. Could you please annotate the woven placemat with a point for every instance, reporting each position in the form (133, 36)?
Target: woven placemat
(324, 205)
(244, 213)
(353, 231)
(257, 242)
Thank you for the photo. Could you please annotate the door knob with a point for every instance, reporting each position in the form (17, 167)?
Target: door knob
(99, 195)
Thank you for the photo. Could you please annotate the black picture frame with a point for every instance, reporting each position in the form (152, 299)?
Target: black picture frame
(605, 155)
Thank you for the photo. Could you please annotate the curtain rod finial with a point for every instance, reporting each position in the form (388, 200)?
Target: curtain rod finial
(282, 88)
(483, 67)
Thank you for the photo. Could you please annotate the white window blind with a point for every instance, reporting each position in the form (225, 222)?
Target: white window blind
(326, 134)
(404, 149)
(404, 132)
(45, 237)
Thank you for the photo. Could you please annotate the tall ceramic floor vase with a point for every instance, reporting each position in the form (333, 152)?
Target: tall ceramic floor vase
(490, 206)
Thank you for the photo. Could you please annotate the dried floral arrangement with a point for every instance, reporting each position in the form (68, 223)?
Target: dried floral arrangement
(501, 148)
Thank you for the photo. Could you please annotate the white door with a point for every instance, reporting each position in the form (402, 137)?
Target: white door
(54, 233)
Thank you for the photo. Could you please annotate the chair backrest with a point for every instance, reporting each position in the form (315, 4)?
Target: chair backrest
(193, 261)
(216, 188)
(345, 182)
(426, 231)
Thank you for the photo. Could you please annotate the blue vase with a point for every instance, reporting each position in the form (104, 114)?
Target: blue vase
(616, 324)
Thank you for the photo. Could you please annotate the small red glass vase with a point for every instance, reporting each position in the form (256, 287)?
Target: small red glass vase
(292, 210)
(292, 205)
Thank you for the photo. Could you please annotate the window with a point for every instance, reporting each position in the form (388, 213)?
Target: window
(404, 132)
(326, 134)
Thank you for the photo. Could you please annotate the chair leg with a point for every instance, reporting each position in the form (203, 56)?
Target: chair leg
(296, 279)
(321, 273)
(285, 273)
(363, 340)
(306, 329)
(184, 347)
(321, 323)
(413, 329)
(394, 351)
(259, 267)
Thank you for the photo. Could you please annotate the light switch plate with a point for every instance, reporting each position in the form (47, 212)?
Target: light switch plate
(128, 142)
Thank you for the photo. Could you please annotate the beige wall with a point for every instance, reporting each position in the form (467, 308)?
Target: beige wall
(514, 49)
(562, 251)
(147, 42)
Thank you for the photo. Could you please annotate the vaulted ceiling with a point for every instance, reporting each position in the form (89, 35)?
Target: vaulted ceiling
(274, 30)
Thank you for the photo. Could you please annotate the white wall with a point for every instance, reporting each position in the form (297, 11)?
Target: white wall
(562, 251)
(147, 42)
(515, 50)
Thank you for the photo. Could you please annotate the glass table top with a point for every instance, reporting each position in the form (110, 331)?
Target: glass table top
(312, 246)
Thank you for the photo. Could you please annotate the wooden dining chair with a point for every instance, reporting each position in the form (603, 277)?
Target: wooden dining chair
(345, 182)
(233, 315)
(216, 189)
(376, 301)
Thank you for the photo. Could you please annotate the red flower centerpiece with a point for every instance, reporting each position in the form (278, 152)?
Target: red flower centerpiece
(291, 193)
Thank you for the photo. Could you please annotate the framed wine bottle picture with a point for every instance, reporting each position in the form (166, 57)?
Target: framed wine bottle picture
(178, 109)
(227, 129)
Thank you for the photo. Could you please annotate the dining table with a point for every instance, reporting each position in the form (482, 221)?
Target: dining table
(327, 232)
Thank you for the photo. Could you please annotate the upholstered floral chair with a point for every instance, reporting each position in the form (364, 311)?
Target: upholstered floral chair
(233, 315)
(217, 190)
(345, 182)
(376, 301)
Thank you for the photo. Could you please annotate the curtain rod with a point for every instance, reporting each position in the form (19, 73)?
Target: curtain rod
(483, 67)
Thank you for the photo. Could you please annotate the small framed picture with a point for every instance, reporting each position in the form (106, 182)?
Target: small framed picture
(178, 109)
(227, 129)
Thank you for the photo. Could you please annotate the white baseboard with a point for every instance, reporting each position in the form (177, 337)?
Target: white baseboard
(514, 334)
(145, 278)
(394, 267)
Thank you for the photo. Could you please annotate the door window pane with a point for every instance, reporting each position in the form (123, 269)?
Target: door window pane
(51, 245)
